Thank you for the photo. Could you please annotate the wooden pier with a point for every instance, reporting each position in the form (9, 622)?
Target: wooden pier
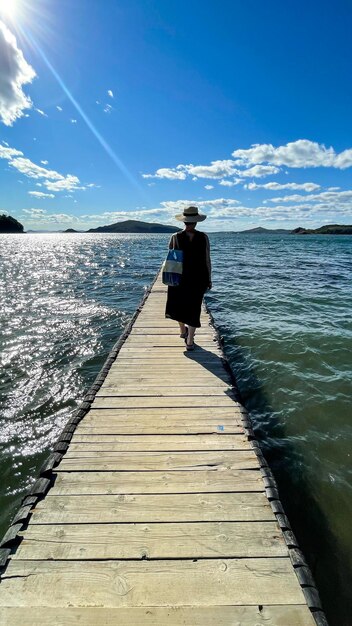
(157, 507)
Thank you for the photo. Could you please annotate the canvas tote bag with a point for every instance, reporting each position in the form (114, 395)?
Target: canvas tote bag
(173, 266)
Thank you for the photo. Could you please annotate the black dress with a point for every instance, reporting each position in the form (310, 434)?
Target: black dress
(184, 301)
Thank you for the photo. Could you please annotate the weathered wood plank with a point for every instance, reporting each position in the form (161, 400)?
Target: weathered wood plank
(117, 443)
(137, 341)
(205, 507)
(170, 412)
(161, 427)
(190, 401)
(113, 391)
(153, 541)
(143, 583)
(153, 328)
(287, 615)
(157, 482)
(150, 379)
(217, 461)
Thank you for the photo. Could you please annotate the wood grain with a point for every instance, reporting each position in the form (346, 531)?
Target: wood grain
(117, 443)
(152, 541)
(93, 483)
(144, 583)
(204, 507)
(286, 615)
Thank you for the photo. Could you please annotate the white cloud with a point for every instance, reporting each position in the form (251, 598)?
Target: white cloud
(110, 93)
(34, 212)
(300, 153)
(7, 153)
(53, 181)
(230, 183)
(40, 216)
(217, 169)
(59, 108)
(14, 73)
(41, 194)
(108, 108)
(41, 112)
(223, 214)
(164, 172)
(73, 121)
(279, 186)
(44, 162)
(66, 183)
(258, 171)
(259, 161)
(209, 187)
(32, 170)
(325, 196)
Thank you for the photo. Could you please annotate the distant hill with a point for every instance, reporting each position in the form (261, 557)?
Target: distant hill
(71, 230)
(266, 231)
(134, 226)
(9, 224)
(329, 229)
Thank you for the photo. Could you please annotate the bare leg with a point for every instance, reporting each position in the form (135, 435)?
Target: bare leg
(191, 331)
(182, 327)
(183, 330)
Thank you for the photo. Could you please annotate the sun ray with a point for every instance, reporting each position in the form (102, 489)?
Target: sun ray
(112, 154)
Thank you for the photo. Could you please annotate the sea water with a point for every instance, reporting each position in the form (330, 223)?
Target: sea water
(283, 307)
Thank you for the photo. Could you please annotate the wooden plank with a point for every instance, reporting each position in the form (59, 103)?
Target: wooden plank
(159, 443)
(141, 341)
(287, 615)
(156, 482)
(151, 381)
(153, 328)
(160, 427)
(113, 391)
(179, 425)
(233, 411)
(143, 583)
(217, 461)
(171, 412)
(177, 420)
(210, 352)
(190, 401)
(205, 507)
(166, 378)
(152, 541)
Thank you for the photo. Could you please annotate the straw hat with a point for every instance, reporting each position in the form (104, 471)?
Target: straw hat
(190, 214)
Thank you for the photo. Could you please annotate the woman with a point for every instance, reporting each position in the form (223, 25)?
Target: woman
(184, 301)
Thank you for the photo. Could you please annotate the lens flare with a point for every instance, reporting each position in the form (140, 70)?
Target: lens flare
(9, 8)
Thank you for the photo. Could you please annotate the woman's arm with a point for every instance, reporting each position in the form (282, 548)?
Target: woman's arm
(207, 259)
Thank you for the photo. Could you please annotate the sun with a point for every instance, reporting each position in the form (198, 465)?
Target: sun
(9, 8)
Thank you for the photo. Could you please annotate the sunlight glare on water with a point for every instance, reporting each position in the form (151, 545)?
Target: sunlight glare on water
(282, 304)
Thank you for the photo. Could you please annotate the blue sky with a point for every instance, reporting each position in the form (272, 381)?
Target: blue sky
(122, 109)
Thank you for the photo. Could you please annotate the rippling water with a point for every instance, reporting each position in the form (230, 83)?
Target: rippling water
(282, 304)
